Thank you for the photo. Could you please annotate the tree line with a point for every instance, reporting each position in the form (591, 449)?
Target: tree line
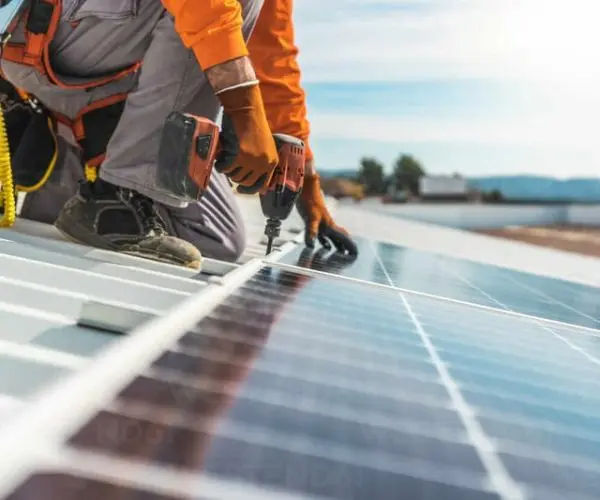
(405, 176)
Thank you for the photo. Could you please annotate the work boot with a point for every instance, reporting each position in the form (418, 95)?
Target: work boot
(112, 218)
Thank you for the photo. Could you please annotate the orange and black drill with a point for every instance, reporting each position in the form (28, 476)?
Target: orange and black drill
(189, 148)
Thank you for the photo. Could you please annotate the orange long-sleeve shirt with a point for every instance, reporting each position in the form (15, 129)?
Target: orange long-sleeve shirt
(213, 31)
(211, 28)
(274, 55)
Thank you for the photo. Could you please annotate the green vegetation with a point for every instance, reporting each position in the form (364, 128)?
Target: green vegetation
(404, 177)
(407, 173)
(402, 183)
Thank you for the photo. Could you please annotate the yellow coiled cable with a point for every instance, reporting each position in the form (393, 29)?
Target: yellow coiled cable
(9, 190)
(91, 173)
(6, 177)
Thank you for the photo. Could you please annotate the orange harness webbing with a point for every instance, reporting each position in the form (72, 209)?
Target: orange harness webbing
(41, 22)
(42, 18)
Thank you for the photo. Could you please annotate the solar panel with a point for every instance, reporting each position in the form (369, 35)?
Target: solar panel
(460, 280)
(297, 384)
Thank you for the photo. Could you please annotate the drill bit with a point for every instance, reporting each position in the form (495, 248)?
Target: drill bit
(272, 231)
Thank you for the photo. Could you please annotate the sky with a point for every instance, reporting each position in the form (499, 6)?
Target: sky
(480, 87)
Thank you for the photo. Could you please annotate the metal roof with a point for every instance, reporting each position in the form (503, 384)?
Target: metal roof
(45, 281)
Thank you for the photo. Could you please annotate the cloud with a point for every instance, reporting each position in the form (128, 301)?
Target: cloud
(538, 130)
(546, 48)
(397, 40)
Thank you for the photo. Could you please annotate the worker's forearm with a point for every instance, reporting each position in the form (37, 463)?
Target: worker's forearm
(231, 73)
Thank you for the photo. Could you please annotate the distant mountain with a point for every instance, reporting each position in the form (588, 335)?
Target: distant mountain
(534, 187)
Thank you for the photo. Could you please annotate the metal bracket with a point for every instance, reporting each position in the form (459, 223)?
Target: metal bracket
(113, 318)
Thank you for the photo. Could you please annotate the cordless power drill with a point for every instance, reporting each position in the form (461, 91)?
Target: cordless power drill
(189, 148)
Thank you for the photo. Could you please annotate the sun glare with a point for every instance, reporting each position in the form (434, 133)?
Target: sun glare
(553, 40)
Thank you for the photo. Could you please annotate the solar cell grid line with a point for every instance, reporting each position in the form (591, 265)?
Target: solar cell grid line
(53, 413)
(346, 338)
(426, 272)
(441, 298)
(168, 385)
(562, 439)
(507, 290)
(591, 343)
(274, 440)
(377, 370)
(426, 395)
(489, 278)
(550, 298)
(498, 475)
(521, 348)
(583, 352)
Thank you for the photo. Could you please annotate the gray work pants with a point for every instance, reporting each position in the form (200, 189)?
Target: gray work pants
(96, 37)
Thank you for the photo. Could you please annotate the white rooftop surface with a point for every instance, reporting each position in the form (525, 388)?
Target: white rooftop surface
(44, 281)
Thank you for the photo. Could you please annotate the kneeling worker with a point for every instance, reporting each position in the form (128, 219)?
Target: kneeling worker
(117, 119)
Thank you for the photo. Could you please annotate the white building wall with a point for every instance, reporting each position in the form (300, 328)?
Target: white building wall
(587, 215)
(475, 216)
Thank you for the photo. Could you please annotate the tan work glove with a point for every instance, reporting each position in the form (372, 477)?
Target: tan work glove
(249, 154)
(318, 220)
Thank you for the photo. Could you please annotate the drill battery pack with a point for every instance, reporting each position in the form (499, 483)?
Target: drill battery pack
(187, 152)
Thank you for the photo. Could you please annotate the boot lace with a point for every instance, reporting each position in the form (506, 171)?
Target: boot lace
(146, 210)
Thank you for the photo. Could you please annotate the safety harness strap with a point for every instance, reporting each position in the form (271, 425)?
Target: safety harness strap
(94, 126)
(41, 24)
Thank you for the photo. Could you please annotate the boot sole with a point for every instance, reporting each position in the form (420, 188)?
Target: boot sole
(75, 235)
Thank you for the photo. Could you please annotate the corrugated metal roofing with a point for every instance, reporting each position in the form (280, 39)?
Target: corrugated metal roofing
(45, 281)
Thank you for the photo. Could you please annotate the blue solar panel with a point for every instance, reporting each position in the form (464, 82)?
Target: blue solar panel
(339, 390)
(461, 280)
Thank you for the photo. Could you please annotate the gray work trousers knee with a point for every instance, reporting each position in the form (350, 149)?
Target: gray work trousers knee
(96, 37)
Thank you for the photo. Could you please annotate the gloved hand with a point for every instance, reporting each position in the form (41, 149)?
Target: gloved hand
(323, 260)
(249, 154)
(318, 220)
